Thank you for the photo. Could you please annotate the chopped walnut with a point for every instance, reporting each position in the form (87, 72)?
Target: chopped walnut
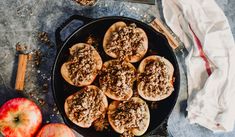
(156, 79)
(101, 124)
(126, 42)
(92, 40)
(86, 105)
(153, 105)
(21, 47)
(86, 2)
(127, 134)
(135, 94)
(37, 57)
(130, 114)
(118, 77)
(83, 65)
(43, 37)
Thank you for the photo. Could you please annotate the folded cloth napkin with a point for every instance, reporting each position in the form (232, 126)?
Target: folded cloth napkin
(203, 28)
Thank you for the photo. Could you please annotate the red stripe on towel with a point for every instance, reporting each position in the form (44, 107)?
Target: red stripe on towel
(201, 52)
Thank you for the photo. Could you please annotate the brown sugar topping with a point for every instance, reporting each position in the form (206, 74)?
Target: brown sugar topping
(156, 79)
(126, 41)
(83, 65)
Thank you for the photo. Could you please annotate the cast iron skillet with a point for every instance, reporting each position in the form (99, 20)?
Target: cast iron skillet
(158, 45)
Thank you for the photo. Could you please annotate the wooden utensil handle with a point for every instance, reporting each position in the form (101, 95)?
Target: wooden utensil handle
(157, 25)
(19, 85)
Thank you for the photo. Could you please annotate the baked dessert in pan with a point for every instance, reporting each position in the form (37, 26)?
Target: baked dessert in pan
(127, 115)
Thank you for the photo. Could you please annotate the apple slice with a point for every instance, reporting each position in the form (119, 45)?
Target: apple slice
(132, 48)
(55, 130)
(19, 117)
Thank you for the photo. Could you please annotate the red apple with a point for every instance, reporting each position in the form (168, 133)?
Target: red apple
(19, 117)
(55, 130)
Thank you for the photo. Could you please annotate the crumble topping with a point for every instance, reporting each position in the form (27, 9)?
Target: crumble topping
(127, 134)
(155, 78)
(130, 114)
(126, 41)
(83, 66)
(86, 105)
(101, 123)
(118, 77)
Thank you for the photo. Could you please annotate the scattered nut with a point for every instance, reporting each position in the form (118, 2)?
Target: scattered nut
(41, 101)
(43, 37)
(86, 2)
(153, 105)
(37, 57)
(101, 124)
(21, 47)
(45, 88)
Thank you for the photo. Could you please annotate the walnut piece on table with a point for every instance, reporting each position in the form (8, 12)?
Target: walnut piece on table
(86, 2)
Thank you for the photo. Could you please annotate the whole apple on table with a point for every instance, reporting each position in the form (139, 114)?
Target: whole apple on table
(21, 117)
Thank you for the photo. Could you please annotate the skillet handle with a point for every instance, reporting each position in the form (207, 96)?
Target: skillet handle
(68, 25)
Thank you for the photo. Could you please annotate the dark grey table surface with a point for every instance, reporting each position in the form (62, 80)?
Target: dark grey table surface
(21, 20)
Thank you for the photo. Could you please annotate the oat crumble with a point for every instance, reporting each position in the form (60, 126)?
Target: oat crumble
(85, 105)
(118, 77)
(126, 42)
(83, 65)
(130, 114)
(156, 79)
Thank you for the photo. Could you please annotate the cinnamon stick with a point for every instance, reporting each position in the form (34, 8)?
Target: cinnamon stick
(19, 85)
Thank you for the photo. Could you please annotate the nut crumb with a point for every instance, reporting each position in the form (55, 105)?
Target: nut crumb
(43, 37)
(86, 2)
(135, 94)
(101, 124)
(37, 57)
(127, 133)
(21, 47)
(45, 88)
(41, 101)
(153, 105)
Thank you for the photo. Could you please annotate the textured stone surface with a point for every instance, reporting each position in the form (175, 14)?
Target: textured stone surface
(21, 20)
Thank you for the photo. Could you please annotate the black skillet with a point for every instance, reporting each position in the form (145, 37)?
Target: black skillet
(158, 45)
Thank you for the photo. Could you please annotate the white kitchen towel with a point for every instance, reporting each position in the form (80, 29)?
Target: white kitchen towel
(203, 28)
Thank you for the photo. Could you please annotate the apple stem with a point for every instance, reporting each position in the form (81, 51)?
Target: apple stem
(16, 119)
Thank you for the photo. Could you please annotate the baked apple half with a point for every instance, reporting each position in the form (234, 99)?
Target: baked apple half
(117, 79)
(155, 78)
(129, 117)
(127, 42)
(85, 106)
(83, 65)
